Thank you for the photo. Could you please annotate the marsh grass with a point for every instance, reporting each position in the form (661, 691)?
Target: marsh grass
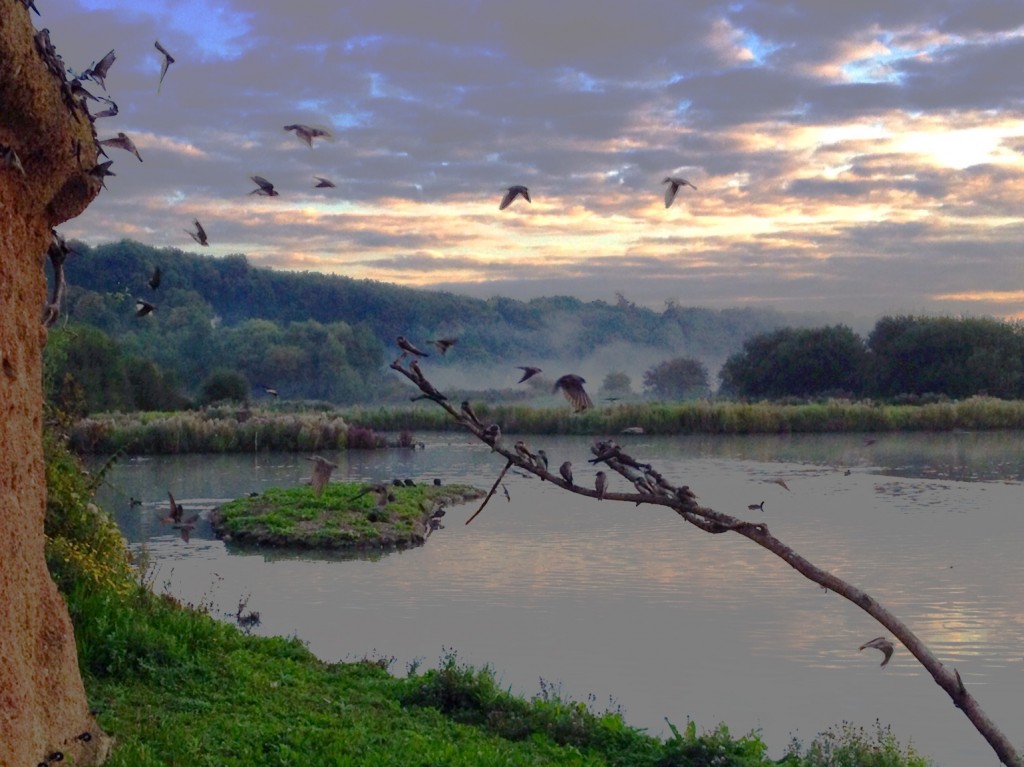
(343, 516)
(174, 686)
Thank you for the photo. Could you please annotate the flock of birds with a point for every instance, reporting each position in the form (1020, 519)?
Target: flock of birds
(76, 97)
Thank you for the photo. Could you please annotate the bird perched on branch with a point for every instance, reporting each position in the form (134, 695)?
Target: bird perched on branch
(883, 644)
(467, 410)
(566, 471)
(542, 458)
(524, 452)
(572, 387)
(600, 484)
(321, 473)
(674, 182)
(513, 192)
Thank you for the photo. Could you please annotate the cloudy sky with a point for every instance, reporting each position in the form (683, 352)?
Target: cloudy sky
(863, 157)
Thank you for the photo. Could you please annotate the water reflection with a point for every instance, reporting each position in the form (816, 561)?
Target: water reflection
(633, 603)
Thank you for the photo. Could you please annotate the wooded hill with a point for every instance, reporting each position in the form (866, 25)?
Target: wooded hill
(330, 337)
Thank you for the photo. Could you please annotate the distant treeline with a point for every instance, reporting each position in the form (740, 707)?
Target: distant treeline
(904, 358)
(324, 337)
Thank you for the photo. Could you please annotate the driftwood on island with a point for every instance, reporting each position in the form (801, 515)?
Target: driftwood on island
(653, 488)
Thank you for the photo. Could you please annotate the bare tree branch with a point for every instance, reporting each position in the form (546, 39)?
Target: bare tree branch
(653, 488)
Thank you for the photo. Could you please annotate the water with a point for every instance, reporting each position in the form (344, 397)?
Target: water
(639, 609)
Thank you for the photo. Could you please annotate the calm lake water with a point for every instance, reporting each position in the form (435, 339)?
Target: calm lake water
(639, 609)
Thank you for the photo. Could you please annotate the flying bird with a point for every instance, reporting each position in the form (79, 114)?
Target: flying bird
(512, 193)
(528, 372)
(154, 280)
(308, 132)
(756, 506)
(168, 60)
(572, 387)
(108, 112)
(781, 483)
(269, 390)
(600, 483)
(323, 183)
(121, 141)
(566, 471)
(143, 307)
(266, 189)
(444, 344)
(199, 235)
(321, 473)
(99, 72)
(674, 182)
(880, 643)
(101, 171)
(505, 490)
(175, 515)
(408, 348)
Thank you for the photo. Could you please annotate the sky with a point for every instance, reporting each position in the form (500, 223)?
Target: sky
(850, 157)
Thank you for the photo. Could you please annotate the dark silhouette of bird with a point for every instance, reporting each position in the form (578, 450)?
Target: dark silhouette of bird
(566, 471)
(98, 73)
(572, 387)
(133, 501)
(265, 188)
(324, 183)
(176, 513)
(674, 182)
(199, 235)
(467, 410)
(756, 506)
(543, 458)
(492, 434)
(31, 4)
(600, 483)
(121, 141)
(79, 91)
(512, 193)
(322, 469)
(168, 60)
(528, 372)
(505, 491)
(781, 483)
(101, 171)
(143, 307)
(883, 644)
(154, 278)
(444, 344)
(437, 482)
(408, 483)
(269, 390)
(309, 132)
(408, 348)
(870, 441)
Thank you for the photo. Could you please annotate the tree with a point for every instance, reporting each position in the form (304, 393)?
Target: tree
(800, 362)
(224, 386)
(679, 378)
(616, 385)
(653, 488)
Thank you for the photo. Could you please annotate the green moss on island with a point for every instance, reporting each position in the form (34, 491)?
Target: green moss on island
(348, 515)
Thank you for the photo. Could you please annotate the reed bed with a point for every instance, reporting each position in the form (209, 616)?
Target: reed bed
(225, 432)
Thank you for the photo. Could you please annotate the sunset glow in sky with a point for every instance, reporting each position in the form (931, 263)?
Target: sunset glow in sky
(858, 157)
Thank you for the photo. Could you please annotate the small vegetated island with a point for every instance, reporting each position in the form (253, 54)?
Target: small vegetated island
(347, 515)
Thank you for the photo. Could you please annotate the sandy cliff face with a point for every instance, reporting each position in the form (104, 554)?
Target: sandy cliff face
(42, 702)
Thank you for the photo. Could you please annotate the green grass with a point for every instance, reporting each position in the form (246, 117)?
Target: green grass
(344, 516)
(176, 687)
(265, 430)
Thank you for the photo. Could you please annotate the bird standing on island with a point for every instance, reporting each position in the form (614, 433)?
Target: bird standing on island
(674, 182)
(321, 473)
(883, 644)
(572, 387)
(513, 192)
(600, 483)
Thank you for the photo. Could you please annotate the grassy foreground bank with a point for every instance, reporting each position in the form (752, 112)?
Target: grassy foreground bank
(353, 428)
(176, 687)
